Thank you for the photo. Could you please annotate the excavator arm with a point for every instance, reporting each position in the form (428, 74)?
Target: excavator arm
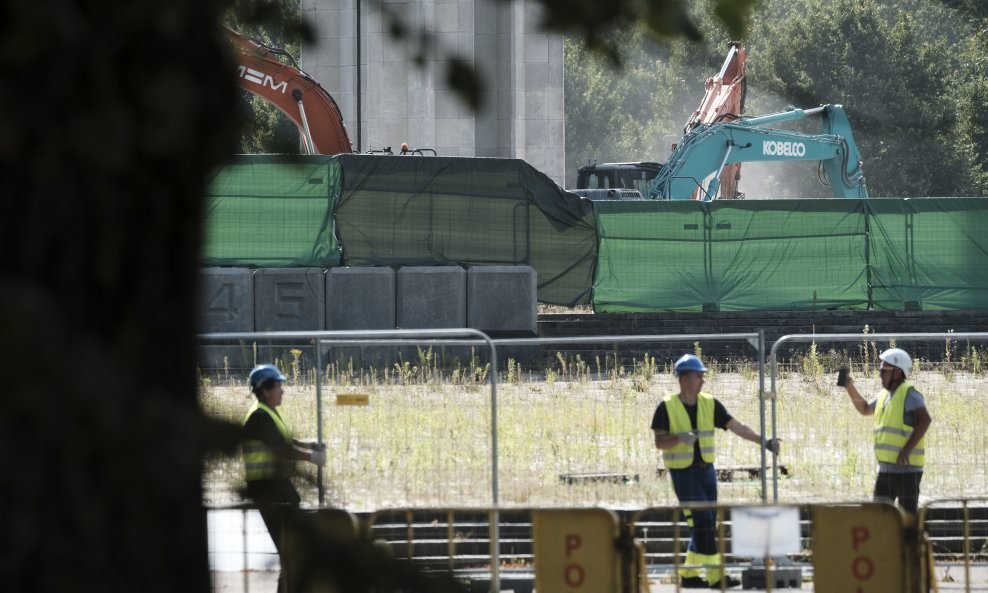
(724, 101)
(294, 93)
(708, 149)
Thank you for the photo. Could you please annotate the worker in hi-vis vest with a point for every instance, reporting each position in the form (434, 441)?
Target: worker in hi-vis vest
(270, 453)
(901, 422)
(684, 426)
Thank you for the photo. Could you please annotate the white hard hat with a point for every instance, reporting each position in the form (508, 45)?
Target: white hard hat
(898, 358)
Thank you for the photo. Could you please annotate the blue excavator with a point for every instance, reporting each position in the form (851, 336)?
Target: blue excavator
(718, 138)
(709, 148)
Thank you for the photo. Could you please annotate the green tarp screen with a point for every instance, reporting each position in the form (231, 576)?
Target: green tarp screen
(272, 211)
(466, 211)
(363, 210)
(929, 253)
(792, 254)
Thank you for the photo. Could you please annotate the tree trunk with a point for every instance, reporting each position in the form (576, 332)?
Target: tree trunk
(112, 116)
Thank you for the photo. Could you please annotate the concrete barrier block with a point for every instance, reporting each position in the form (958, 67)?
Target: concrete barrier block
(289, 299)
(431, 297)
(502, 299)
(226, 300)
(360, 298)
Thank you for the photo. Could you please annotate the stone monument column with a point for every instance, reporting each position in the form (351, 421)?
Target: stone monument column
(387, 98)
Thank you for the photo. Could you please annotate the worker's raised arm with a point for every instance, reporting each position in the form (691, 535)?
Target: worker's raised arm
(860, 404)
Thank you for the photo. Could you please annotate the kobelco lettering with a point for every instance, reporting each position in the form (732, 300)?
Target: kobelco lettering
(776, 148)
(258, 77)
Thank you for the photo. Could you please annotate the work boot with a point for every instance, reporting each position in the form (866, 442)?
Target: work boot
(693, 583)
(728, 582)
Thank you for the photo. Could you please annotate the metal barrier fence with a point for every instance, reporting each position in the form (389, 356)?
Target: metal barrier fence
(848, 469)
(467, 337)
(955, 532)
(470, 337)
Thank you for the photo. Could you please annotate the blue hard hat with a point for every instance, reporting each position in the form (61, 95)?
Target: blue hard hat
(264, 372)
(687, 363)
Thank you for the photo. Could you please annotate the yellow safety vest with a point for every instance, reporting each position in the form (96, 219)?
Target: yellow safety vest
(891, 432)
(681, 456)
(260, 462)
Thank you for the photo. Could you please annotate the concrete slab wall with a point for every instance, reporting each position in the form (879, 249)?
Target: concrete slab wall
(360, 298)
(431, 297)
(496, 299)
(289, 299)
(226, 301)
(502, 299)
(387, 99)
(226, 304)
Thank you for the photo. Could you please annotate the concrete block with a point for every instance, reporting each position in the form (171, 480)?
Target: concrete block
(289, 299)
(226, 300)
(360, 298)
(431, 297)
(502, 299)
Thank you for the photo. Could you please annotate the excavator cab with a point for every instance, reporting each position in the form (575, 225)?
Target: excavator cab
(606, 176)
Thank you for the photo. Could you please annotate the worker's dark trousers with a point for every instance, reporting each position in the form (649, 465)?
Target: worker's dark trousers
(890, 487)
(275, 499)
(698, 485)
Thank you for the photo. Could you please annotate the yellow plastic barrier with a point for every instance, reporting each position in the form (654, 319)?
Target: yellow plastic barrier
(859, 549)
(575, 551)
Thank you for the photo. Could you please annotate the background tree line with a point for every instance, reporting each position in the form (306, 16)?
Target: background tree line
(913, 76)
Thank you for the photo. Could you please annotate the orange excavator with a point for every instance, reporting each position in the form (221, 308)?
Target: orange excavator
(293, 92)
(723, 101)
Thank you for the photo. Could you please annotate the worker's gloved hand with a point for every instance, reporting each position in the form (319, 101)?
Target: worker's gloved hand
(687, 438)
(772, 445)
(318, 457)
(312, 445)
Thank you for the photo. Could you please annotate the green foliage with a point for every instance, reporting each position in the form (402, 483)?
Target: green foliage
(971, 98)
(912, 75)
(635, 112)
(644, 371)
(296, 364)
(812, 367)
(600, 24)
(973, 361)
(891, 79)
(265, 129)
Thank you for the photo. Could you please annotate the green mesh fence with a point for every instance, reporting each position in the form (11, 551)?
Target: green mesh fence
(468, 211)
(929, 253)
(272, 211)
(361, 210)
(792, 254)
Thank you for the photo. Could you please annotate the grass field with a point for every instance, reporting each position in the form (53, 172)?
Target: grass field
(425, 438)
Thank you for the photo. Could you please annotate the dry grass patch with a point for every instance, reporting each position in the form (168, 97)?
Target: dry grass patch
(427, 442)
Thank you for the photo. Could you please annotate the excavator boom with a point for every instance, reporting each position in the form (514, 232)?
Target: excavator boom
(724, 101)
(708, 149)
(294, 93)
